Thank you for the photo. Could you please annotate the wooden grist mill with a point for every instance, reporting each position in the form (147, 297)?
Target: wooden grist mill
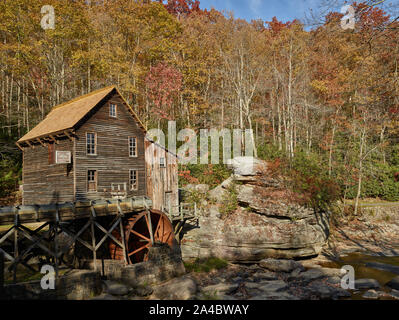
(93, 184)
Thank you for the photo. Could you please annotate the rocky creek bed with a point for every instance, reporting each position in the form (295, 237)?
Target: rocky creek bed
(270, 279)
(276, 248)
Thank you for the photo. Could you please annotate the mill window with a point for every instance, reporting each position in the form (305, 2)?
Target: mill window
(91, 143)
(92, 180)
(112, 110)
(162, 163)
(133, 180)
(132, 147)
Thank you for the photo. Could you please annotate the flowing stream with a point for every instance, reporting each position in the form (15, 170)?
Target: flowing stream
(365, 268)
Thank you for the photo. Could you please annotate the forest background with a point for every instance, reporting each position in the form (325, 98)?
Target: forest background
(323, 102)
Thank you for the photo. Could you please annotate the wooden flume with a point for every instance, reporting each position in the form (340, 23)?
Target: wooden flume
(135, 227)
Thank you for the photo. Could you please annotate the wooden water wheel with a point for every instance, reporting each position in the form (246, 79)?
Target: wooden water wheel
(138, 236)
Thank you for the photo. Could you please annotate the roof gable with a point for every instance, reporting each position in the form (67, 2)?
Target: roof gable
(67, 115)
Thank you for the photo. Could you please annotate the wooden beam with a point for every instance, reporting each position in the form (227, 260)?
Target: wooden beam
(40, 141)
(68, 135)
(30, 145)
(19, 146)
(53, 139)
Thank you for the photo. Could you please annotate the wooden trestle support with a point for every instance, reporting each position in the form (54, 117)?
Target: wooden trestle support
(133, 230)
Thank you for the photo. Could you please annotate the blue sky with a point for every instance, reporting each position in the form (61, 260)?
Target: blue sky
(284, 10)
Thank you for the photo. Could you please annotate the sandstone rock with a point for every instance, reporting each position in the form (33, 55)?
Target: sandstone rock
(332, 272)
(280, 265)
(237, 279)
(267, 286)
(263, 226)
(218, 193)
(394, 294)
(311, 275)
(253, 196)
(295, 273)
(324, 291)
(394, 283)
(366, 284)
(201, 188)
(115, 288)
(334, 280)
(225, 297)
(105, 296)
(183, 288)
(371, 294)
(264, 275)
(221, 288)
(246, 166)
(274, 296)
(143, 291)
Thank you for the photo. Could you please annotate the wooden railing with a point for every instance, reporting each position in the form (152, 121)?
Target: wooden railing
(184, 211)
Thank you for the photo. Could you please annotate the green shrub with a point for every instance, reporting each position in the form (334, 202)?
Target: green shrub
(206, 265)
(10, 174)
(269, 152)
(229, 202)
(380, 181)
(310, 182)
(210, 174)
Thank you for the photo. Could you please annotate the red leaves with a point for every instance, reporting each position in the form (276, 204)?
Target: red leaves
(182, 7)
(186, 175)
(370, 17)
(277, 26)
(163, 82)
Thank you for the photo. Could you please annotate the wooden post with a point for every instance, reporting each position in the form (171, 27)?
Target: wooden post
(93, 237)
(149, 222)
(150, 226)
(1, 274)
(93, 243)
(123, 240)
(16, 222)
(122, 230)
(55, 229)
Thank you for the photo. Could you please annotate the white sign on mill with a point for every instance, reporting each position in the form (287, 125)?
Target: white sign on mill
(63, 157)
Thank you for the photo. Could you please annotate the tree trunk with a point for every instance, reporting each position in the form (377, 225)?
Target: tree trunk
(359, 183)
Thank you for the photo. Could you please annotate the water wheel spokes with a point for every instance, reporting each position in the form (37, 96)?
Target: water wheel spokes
(164, 231)
(142, 229)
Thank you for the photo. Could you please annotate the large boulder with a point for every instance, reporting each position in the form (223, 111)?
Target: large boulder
(246, 166)
(200, 188)
(183, 288)
(266, 223)
(280, 265)
(394, 283)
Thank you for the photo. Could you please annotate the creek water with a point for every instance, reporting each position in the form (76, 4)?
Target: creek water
(358, 261)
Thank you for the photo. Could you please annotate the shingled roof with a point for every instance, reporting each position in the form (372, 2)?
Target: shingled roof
(66, 116)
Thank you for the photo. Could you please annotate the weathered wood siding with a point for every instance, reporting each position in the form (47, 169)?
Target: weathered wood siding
(162, 183)
(112, 161)
(45, 183)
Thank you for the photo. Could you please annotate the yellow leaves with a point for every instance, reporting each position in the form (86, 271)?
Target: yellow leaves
(319, 86)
